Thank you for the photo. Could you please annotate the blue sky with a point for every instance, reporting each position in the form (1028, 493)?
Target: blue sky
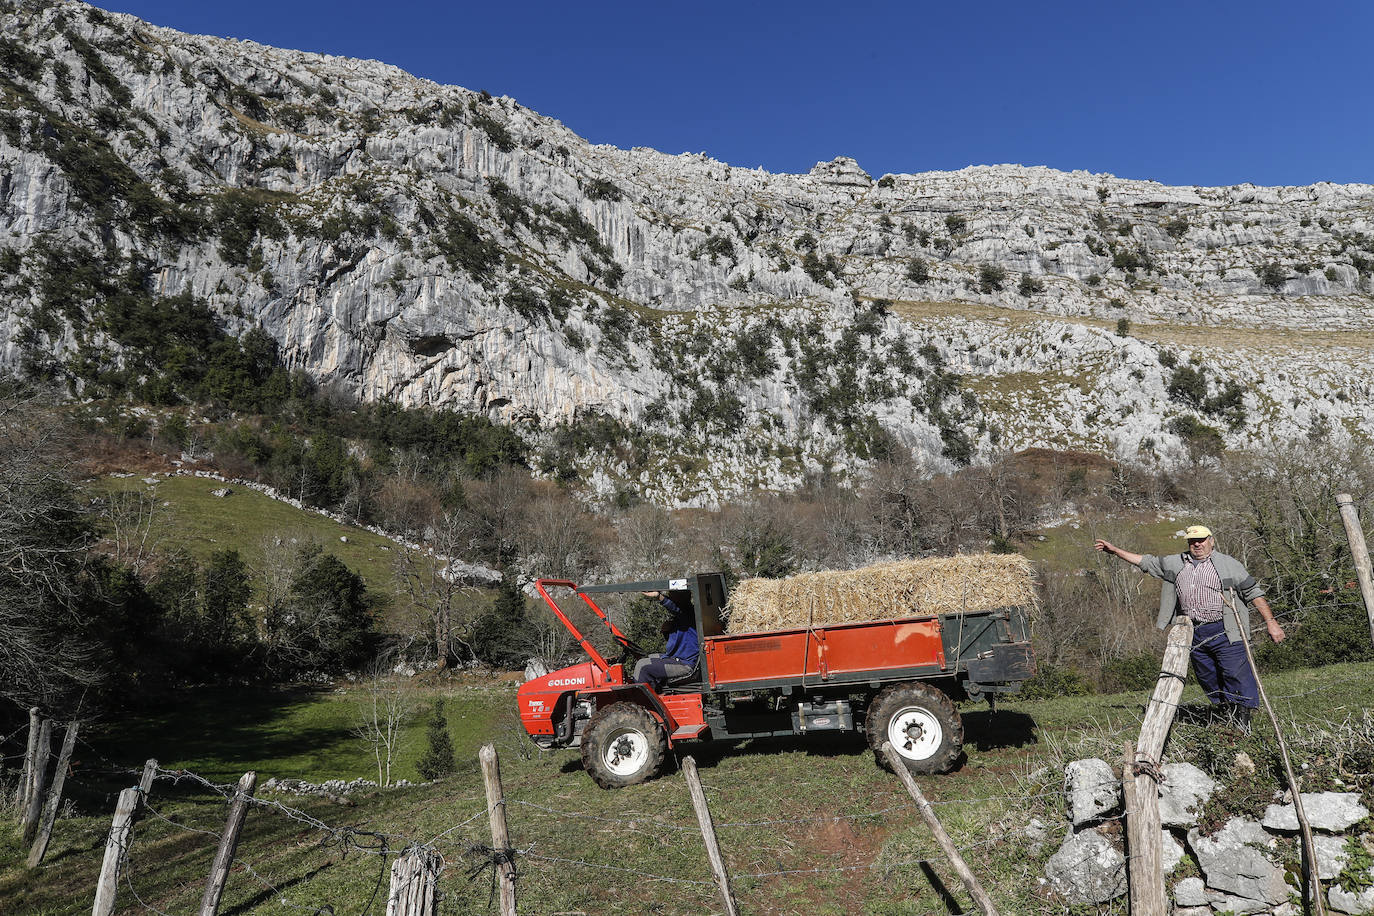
(1204, 92)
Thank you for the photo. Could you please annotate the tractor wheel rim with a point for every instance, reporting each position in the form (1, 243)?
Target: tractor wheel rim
(915, 733)
(626, 752)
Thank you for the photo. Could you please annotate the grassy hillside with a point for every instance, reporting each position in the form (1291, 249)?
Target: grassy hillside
(249, 522)
(806, 825)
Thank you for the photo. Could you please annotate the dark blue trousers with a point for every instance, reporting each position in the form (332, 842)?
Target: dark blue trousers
(1222, 668)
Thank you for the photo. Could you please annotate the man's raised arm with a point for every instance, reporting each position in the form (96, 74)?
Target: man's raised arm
(1108, 547)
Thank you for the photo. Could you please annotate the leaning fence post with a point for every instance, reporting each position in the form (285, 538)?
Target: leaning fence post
(415, 883)
(21, 802)
(500, 836)
(59, 779)
(228, 844)
(116, 845)
(980, 897)
(708, 833)
(38, 781)
(1350, 517)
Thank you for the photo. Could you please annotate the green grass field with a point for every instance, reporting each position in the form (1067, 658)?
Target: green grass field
(807, 825)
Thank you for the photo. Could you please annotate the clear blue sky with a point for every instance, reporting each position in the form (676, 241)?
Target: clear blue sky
(1208, 92)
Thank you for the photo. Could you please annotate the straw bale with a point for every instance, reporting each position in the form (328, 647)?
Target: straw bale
(905, 588)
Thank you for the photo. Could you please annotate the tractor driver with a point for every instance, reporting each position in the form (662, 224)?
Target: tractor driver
(679, 657)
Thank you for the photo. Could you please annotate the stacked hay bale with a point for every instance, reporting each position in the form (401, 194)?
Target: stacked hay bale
(906, 588)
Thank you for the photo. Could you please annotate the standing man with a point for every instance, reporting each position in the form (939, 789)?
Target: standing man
(679, 657)
(1201, 583)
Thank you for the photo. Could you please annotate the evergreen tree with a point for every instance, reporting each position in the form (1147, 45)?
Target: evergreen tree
(437, 760)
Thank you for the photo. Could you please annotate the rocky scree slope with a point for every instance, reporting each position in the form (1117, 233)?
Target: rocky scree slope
(673, 323)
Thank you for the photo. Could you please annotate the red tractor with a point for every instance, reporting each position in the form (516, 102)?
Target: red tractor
(893, 679)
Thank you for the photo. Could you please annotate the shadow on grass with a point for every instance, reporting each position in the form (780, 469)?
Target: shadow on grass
(986, 730)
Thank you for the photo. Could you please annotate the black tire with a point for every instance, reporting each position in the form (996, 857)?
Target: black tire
(921, 722)
(623, 745)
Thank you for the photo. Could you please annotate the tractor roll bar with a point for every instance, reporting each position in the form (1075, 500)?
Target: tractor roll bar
(592, 653)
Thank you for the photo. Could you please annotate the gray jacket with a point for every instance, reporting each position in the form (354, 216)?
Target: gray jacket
(1234, 581)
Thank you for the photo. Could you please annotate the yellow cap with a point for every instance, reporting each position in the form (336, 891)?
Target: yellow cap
(1197, 531)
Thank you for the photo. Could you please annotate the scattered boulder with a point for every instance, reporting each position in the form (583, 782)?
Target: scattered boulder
(1088, 868)
(1329, 811)
(222, 492)
(1235, 864)
(1170, 851)
(1092, 790)
(535, 668)
(1190, 892)
(1331, 855)
(1182, 794)
(1360, 903)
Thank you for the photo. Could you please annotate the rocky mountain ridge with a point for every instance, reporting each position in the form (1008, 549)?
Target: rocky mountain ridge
(688, 327)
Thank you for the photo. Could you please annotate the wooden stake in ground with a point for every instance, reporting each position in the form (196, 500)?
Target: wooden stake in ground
(1309, 848)
(228, 844)
(415, 883)
(38, 781)
(145, 783)
(1143, 838)
(59, 780)
(980, 897)
(21, 803)
(1140, 776)
(500, 837)
(116, 845)
(708, 833)
(1350, 517)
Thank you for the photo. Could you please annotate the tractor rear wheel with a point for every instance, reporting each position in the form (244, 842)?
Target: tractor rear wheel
(921, 722)
(623, 745)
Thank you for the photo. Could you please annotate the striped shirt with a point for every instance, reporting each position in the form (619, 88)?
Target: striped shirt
(1199, 590)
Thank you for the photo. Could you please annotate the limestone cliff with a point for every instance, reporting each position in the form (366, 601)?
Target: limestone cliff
(703, 328)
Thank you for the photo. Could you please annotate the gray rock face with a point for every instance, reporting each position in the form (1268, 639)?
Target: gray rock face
(1331, 855)
(435, 246)
(1171, 851)
(1088, 868)
(1235, 863)
(1329, 811)
(1092, 790)
(1182, 794)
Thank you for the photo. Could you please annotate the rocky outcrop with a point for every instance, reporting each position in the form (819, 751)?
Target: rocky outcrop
(433, 245)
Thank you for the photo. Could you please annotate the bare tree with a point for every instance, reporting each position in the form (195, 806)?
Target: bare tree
(384, 705)
(136, 521)
(435, 584)
(44, 542)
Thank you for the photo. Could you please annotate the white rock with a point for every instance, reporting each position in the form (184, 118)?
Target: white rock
(1091, 790)
(1329, 811)
(1088, 868)
(1235, 863)
(1182, 794)
(1190, 892)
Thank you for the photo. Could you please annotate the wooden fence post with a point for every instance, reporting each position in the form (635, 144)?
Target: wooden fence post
(500, 837)
(708, 833)
(1143, 837)
(59, 780)
(1350, 517)
(1313, 888)
(980, 897)
(145, 783)
(38, 781)
(21, 801)
(116, 845)
(228, 844)
(1140, 776)
(415, 883)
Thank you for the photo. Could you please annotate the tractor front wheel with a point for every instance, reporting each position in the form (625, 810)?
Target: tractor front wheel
(623, 745)
(921, 722)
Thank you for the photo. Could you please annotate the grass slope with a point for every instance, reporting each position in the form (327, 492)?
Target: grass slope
(251, 523)
(807, 825)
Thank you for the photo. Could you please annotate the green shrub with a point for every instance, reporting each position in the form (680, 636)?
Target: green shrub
(955, 223)
(438, 759)
(887, 181)
(806, 242)
(1030, 286)
(603, 189)
(1095, 280)
(1272, 276)
(1135, 672)
(917, 270)
(1201, 440)
(465, 247)
(1176, 227)
(1188, 385)
(1053, 681)
(493, 128)
(991, 277)
(1123, 327)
